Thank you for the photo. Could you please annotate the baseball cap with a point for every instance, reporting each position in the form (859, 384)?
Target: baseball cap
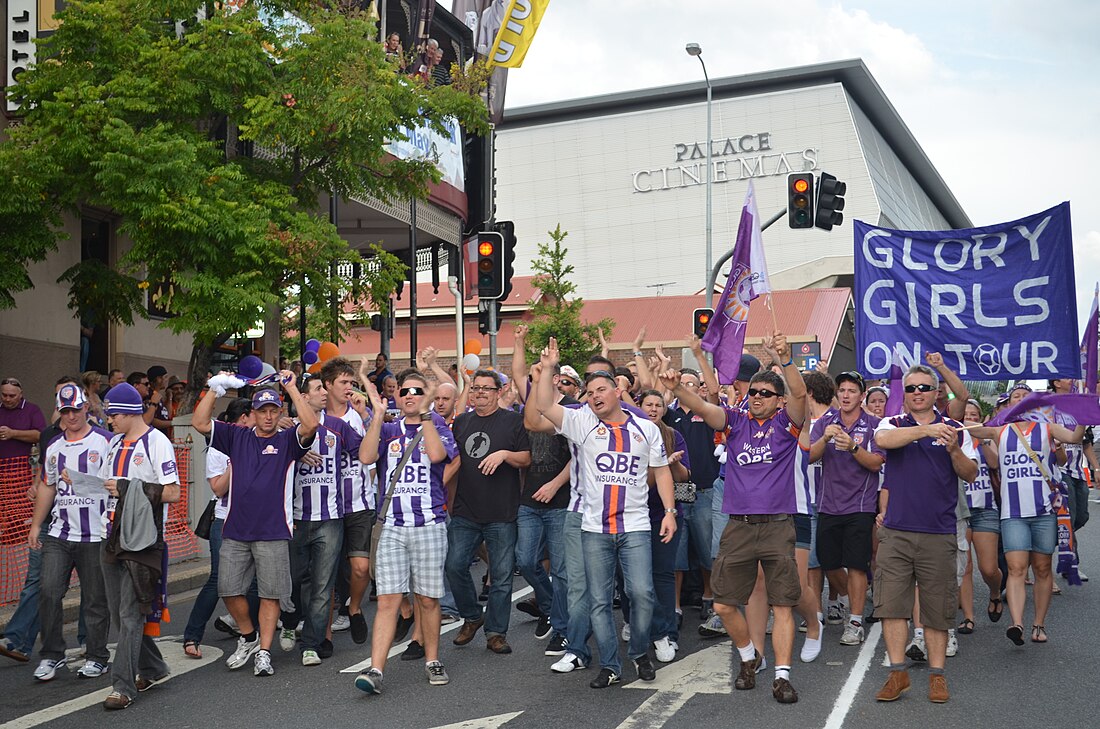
(156, 371)
(70, 397)
(749, 366)
(123, 399)
(854, 377)
(267, 396)
(567, 371)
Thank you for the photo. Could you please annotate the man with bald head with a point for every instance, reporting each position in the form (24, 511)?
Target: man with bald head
(446, 395)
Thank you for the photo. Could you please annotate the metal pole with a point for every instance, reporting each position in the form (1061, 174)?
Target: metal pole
(710, 186)
(412, 287)
(334, 304)
(452, 284)
(382, 20)
(712, 277)
(302, 319)
(493, 333)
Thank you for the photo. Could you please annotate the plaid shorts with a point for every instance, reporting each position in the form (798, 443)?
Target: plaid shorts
(417, 551)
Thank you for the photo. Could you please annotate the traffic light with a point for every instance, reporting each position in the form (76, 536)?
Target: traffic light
(490, 265)
(700, 320)
(507, 230)
(830, 201)
(800, 200)
(483, 316)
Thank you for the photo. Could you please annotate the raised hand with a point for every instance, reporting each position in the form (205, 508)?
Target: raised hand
(670, 379)
(640, 339)
(550, 355)
(934, 360)
(779, 343)
(288, 380)
(521, 332)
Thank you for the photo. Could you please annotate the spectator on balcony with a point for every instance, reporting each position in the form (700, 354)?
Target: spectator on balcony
(394, 51)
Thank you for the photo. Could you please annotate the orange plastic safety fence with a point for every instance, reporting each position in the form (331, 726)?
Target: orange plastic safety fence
(181, 540)
(15, 521)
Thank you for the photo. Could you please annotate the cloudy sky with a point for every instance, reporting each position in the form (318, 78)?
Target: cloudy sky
(1001, 94)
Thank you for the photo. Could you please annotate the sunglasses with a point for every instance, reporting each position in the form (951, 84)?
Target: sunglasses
(919, 388)
(753, 392)
(406, 391)
(598, 373)
(851, 375)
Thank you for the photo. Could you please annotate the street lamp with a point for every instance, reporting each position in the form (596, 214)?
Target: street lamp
(694, 49)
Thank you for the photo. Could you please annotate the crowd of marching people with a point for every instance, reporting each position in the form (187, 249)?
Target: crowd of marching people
(787, 500)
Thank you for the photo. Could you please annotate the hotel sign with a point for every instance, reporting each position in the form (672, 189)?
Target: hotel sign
(733, 158)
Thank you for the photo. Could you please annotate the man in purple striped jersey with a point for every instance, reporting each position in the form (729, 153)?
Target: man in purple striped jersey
(73, 536)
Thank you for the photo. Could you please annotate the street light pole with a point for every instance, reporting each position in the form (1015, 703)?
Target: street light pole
(694, 49)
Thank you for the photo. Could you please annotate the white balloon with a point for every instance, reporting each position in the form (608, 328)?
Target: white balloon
(471, 362)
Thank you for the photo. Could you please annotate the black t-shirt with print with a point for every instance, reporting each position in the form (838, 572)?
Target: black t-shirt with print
(494, 498)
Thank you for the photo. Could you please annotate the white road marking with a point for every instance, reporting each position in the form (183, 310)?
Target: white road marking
(850, 688)
(177, 662)
(705, 672)
(399, 648)
(488, 722)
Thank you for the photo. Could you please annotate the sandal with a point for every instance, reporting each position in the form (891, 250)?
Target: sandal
(1038, 634)
(192, 649)
(966, 627)
(1016, 634)
(995, 610)
(1056, 590)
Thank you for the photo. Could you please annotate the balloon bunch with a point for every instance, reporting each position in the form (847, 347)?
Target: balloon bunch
(470, 360)
(317, 353)
(255, 371)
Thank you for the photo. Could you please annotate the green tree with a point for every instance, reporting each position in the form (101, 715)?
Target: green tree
(557, 313)
(211, 141)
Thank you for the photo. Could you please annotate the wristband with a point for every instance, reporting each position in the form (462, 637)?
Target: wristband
(670, 511)
(639, 353)
(788, 363)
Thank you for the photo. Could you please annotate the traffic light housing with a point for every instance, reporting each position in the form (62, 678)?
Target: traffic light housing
(700, 320)
(490, 265)
(800, 200)
(507, 230)
(830, 201)
(483, 316)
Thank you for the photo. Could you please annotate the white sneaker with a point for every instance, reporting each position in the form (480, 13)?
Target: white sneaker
(93, 669)
(310, 658)
(853, 634)
(713, 627)
(568, 662)
(262, 664)
(665, 652)
(916, 649)
(952, 643)
(625, 634)
(47, 669)
(1082, 575)
(342, 622)
(287, 639)
(811, 648)
(245, 650)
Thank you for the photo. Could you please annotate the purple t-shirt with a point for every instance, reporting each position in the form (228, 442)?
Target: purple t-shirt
(923, 485)
(845, 487)
(656, 506)
(419, 496)
(261, 484)
(25, 416)
(761, 477)
(318, 490)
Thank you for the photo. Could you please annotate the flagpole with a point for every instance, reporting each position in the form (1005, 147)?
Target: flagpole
(771, 308)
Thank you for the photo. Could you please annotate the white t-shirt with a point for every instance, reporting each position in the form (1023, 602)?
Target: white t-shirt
(76, 517)
(217, 463)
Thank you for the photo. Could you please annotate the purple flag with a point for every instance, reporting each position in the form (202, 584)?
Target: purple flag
(1069, 410)
(1090, 343)
(748, 278)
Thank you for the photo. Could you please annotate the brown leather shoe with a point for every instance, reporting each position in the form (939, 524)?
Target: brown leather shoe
(468, 630)
(746, 679)
(497, 644)
(784, 692)
(937, 689)
(12, 652)
(896, 684)
(116, 701)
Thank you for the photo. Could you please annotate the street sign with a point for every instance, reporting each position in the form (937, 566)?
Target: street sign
(806, 354)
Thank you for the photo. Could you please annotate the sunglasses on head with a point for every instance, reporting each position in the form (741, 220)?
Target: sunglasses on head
(599, 373)
(406, 391)
(754, 392)
(919, 388)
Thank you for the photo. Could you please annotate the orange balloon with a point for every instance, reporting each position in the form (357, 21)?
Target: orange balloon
(472, 346)
(314, 368)
(327, 351)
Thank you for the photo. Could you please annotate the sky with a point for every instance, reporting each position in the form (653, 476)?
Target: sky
(1002, 95)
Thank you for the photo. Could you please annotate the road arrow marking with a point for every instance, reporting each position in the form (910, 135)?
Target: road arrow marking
(489, 722)
(706, 672)
(178, 664)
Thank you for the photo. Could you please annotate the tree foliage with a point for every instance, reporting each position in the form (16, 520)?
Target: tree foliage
(211, 141)
(555, 313)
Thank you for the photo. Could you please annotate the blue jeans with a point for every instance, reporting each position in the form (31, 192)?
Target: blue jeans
(539, 530)
(314, 553)
(631, 552)
(664, 622)
(696, 537)
(463, 537)
(719, 520)
(22, 629)
(577, 598)
(1038, 534)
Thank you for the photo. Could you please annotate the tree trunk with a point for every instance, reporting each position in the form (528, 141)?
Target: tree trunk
(202, 356)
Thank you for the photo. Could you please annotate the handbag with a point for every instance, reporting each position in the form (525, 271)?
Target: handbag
(206, 520)
(684, 492)
(376, 533)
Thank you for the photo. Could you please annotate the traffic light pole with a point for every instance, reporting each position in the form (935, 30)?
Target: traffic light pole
(729, 254)
(493, 334)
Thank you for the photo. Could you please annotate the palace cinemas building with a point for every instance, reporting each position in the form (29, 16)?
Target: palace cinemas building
(625, 175)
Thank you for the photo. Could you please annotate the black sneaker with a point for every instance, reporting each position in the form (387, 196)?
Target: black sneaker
(226, 628)
(606, 677)
(557, 646)
(413, 652)
(325, 649)
(358, 628)
(646, 671)
(529, 607)
(542, 628)
(403, 625)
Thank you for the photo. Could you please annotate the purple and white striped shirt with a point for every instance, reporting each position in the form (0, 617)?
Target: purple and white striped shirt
(1024, 490)
(419, 496)
(979, 495)
(359, 489)
(75, 517)
(317, 489)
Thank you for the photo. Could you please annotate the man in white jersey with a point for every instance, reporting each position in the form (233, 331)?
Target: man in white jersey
(73, 537)
(621, 453)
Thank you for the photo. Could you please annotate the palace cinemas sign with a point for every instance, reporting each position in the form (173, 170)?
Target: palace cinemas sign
(733, 158)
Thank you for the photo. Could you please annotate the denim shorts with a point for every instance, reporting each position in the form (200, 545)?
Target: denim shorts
(985, 520)
(1037, 534)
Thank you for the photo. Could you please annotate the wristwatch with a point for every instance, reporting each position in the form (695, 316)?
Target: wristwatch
(854, 448)
(670, 511)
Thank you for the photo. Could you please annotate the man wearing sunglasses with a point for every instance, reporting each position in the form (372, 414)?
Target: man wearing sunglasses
(762, 490)
(493, 447)
(926, 455)
(847, 494)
